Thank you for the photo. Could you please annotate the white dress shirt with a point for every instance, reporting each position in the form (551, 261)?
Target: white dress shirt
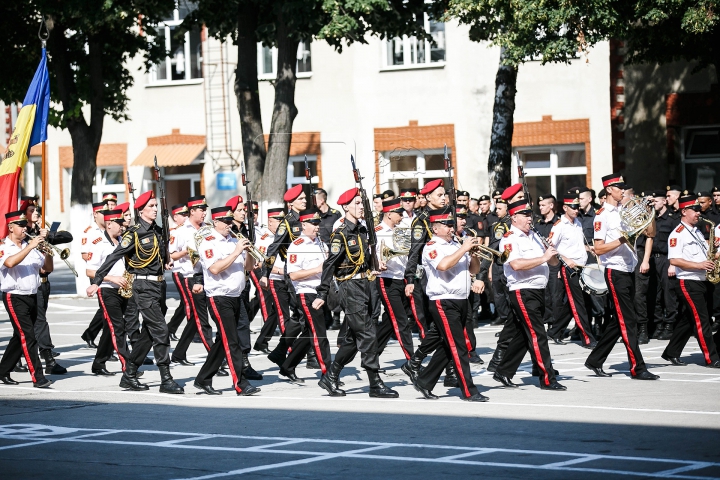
(97, 255)
(185, 238)
(231, 281)
(569, 240)
(687, 243)
(23, 278)
(607, 226)
(524, 246)
(395, 265)
(453, 283)
(305, 254)
(90, 234)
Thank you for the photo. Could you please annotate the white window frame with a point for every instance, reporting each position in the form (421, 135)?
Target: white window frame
(293, 180)
(410, 52)
(273, 74)
(31, 177)
(709, 160)
(553, 171)
(167, 26)
(100, 188)
(387, 175)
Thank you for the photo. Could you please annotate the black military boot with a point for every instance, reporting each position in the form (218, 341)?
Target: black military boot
(329, 381)
(167, 384)
(412, 367)
(129, 378)
(451, 378)
(497, 357)
(336, 322)
(377, 388)
(248, 371)
(312, 361)
(643, 338)
(51, 366)
(667, 332)
(19, 367)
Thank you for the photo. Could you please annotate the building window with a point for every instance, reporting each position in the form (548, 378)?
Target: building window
(184, 55)
(109, 180)
(32, 177)
(400, 170)
(267, 61)
(552, 170)
(409, 52)
(296, 170)
(701, 158)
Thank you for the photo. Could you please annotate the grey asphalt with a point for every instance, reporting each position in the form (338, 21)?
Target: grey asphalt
(87, 427)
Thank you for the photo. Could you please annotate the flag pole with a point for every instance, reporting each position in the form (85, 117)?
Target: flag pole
(44, 185)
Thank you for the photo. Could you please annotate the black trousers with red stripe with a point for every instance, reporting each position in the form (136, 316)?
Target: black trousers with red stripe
(696, 298)
(313, 336)
(528, 305)
(395, 319)
(150, 298)
(574, 309)
(225, 312)
(181, 312)
(197, 322)
(450, 316)
(419, 306)
(23, 312)
(95, 326)
(288, 314)
(621, 293)
(361, 331)
(113, 307)
(267, 310)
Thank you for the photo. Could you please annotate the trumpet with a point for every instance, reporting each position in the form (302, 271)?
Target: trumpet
(486, 253)
(50, 249)
(254, 252)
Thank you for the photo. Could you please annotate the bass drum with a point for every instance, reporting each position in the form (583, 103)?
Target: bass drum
(592, 280)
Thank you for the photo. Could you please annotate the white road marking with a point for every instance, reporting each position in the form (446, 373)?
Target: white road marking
(356, 450)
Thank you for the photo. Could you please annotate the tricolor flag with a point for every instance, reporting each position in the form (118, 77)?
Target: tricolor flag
(30, 129)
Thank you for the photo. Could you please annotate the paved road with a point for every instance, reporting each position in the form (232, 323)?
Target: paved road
(86, 427)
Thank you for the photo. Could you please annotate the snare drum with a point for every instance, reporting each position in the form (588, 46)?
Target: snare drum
(592, 280)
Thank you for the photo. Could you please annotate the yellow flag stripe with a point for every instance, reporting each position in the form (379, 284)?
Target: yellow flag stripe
(16, 155)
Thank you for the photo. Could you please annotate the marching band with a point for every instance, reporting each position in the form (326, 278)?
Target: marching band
(436, 260)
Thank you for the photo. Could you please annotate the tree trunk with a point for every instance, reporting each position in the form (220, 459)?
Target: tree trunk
(500, 157)
(248, 97)
(284, 113)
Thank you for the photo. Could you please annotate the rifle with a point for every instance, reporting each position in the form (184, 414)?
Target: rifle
(164, 213)
(451, 191)
(132, 195)
(526, 191)
(369, 221)
(308, 177)
(248, 205)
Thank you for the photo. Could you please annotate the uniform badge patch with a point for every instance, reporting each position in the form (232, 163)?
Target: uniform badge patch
(673, 242)
(84, 241)
(335, 247)
(293, 258)
(433, 254)
(2, 253)
(145, 240)
(281, 230)
(209, 253)
(296, 229)
(90, 254)
(172, 239)
(417, 233)
(352, 242)
(598, 226)
(262, 249)
(126, 239)
(508, 247)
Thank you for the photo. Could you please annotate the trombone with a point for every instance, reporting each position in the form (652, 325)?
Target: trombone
(50, 249)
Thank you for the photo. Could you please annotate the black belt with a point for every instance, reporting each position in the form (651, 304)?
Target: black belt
(656, 255)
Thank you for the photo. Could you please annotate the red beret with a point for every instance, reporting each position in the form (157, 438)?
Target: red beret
(25, 204)
(430, 186)
(234, 202)
(511, 191)
(348, 196)
(143, 199)
(123, 206)
(293, 193)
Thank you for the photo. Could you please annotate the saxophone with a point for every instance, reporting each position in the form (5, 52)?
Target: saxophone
(126, 292)
(713, 276)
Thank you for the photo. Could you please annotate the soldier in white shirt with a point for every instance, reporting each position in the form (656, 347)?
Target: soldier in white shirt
(180, 214)
(305, 262)
(569, 240)
(464, 233)
(111, 303)
(91, 234)
(224, 260)
(20, 272)
(619, 260)
(448, 266)
(268, 309)
(688, 253)
(408, 196)
(391, 283)
(192, 280)
(527, 270)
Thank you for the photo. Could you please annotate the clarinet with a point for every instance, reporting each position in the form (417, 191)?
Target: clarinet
(546, 244)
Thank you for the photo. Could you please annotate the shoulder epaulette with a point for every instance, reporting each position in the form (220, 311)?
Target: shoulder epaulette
(598, 212)
(299, 241)
(97, 240)
(431, 242)
(265, 235)
(210, 237)
(332, 210)
(557, 222)
(680, 228)
(507, 234)
(378, 228)
(87, 229)
(173, 228)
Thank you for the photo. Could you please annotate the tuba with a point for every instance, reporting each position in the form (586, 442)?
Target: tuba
(713, 276)
(637, 215)
(127, 292)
